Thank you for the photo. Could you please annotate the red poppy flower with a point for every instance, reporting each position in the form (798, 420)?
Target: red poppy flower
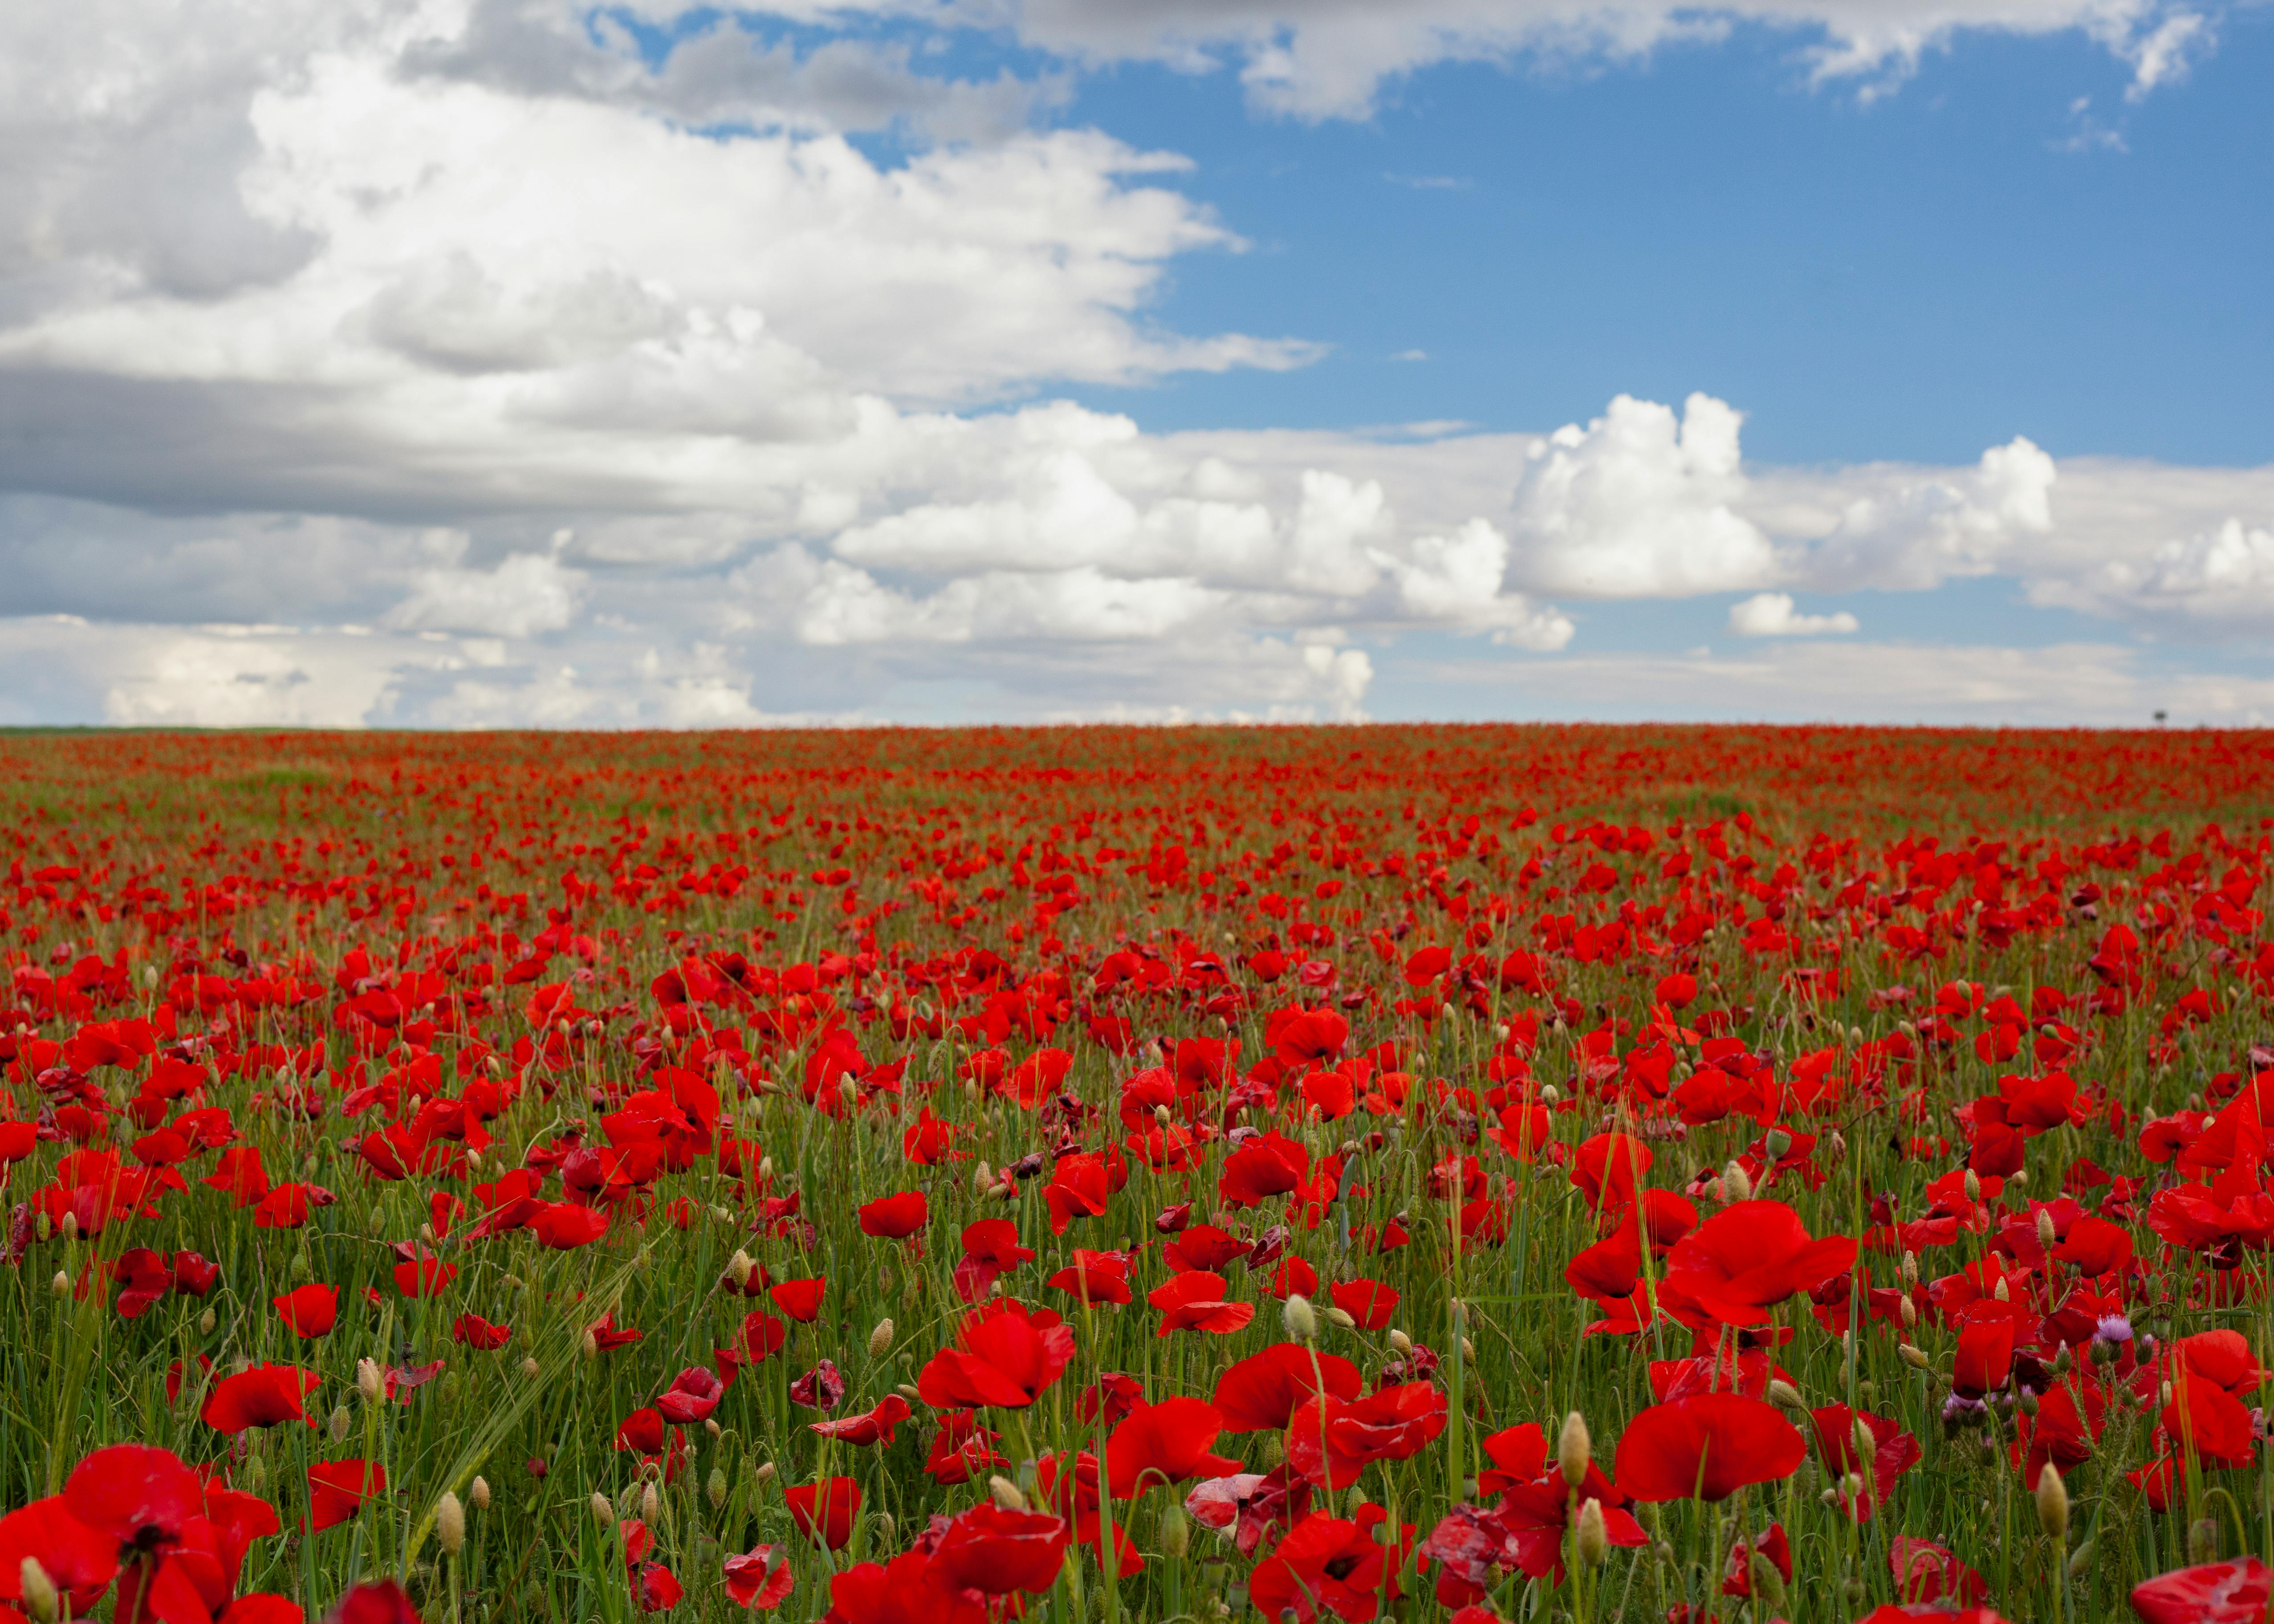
(896, 1217)
(874, 1427)
(1263, 1504)
(1194, 1301)
(564, 1226)
(658, 1589)
(1894, 1453)
(1706, 1447)
(265, 1396)
(819, 1388)
(2211, 1593)
(1271, 1165)
(905, 1592)
(1323, 1565)
(1331, 1441)
(1260, 1393)
(1096, 1277)
(997, 1552)
(824, 1511)
(800, 1299)
(641, 1431)
(1004, 1356)
(990, 1249)
(1368, 1301)
(1985, 1354)
(693, 1395)
(1164, 1443)
(1737, 1574)
(421, 1274)
(193, 1274)
(761, 1338)
(309, 1312)
(145, 1277)
(338, 1489)
(1744, 1260)
(477, 1332)
(383, 1603)
(1926, 1572)
(761, 1579)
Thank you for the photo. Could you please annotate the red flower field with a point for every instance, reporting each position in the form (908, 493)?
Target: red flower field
(1349, 1174)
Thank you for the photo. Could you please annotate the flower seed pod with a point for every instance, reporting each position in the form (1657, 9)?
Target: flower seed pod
(2052, 1502)
(1776, 1143)
(715, 1487)
(480, 1493)
(1593, 1539)
(880, 1340)
(1173, 1534)
(1735, 1186)
(1574, 1450)
(1297, 1316)
(602, 1513)
(449, 1524)
(1007, 1493)
(41, 1599)
(367, 1380)
(739, 1268)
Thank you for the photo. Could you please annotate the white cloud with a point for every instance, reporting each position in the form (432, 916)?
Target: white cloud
(1639, 504)
(1771, 614)
(524, 596)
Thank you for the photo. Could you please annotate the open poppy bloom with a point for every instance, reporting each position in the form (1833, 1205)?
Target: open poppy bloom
(693, 1395)
(874, 1427)
(264, 1395)
(1744, 1260)
(800, 1299)
(896, 1217)
(564, 1225)
(908, 1590)
(1164, 1443)
(1006, 1354)
(990, 1249)
(338, 1489)
(1706, 1447)
(1323, 1565)
(1368, 1301)
(997, 1552)
(1260, 1393)
(309, 1312)
(761, 1578)
(824, 1511)
(1331, 1441)
(477, 1332)
(2210, 1593)
(1194, 1301)
(1096, 1277)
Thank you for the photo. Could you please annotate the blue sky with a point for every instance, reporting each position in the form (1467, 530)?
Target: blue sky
(518, 362)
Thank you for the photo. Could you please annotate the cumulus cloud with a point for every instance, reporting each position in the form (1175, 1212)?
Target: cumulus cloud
(524, 596)
(1772, 614)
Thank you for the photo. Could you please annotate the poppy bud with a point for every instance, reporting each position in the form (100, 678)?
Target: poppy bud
(480, 1493)
(207, 1321)
(530, 1367)
(1161, 1115)
(1768, 1581)
(2079, 1560)
(1275, 1450)
(1910, 1270)
(1551, 1094)
(591, 1347)
(1834, 1148)
(1173, 1536)
(2027, 1403)
(449, 1524)
(2202, 1541)
(1852, 1486)
(1865, 1445)
(71, 1227)
(1784, 1395)
(2045, 1235)
(367, 1380)
(1573, 1449)
(44, 1227)
(763, 1472)
(339, 1422)
(1908, 1311)
(715, 1487)
(1973, 1185)
(1999, 1292)
(885, 1529)
(908, 1390)
(765, 1167)
(256, 1474)
(61, 1285)
(1402, 1343)
(1342, 1318)
(41, 1599)
(710, 1425)
(2018, 1178)
(602, 1513)
(1735, 1187)
(880, 1340)
(1912, 1356)
(1591, 1539)
(739, 1268)
(1468, 1351)
(303, 1267)
(1007, 1493)
(1297, 1315)
(2052, 1502)
(474, 1160)
(848, 1091)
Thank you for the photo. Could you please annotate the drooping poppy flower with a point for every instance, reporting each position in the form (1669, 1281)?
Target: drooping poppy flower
(193, 1274)
(1744, 1260)
(1164, 1443)
(1259, 1393)
(761, 1578)
(1194, 1301)
(693, 1395)
(564, 1225)
(1331, 1441)
(1264, 1505)
(311, 1311)
(997, 1552)
(824, 1511)
(896, 1217)
(875, 1426)
(146, 1277)
(800, 1299)
(477, 1332)
(264, 1395)
(1004, 1356)
(1706, 1447)
(338, 1489)
(2209, 1593)
(1096, 1277)
(961, 1450)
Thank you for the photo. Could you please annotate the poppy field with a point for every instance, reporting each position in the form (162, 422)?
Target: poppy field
(1418, 1173)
